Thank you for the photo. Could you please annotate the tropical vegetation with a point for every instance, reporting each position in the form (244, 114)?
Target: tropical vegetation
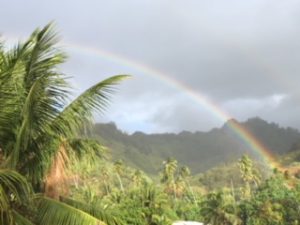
(40, 131)
(54, 172)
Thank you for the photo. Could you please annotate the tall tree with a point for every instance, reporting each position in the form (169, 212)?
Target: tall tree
(219, 209)
(249, 175)
(40, 127)
(168, 175)
(184, 173)
(119, 167)
(137, 178)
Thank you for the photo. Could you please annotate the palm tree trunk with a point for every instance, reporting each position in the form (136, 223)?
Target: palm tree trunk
(232, 190)
(120, 183)
(174, 190)
(192, 193)
(106, 187)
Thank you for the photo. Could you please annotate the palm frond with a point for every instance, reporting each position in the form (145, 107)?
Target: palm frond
(86, 146)
(14, 192)
(50, 86)
(20, 219)
(43, 55)
(95, 210)
(80, 111)
(15, 184)
(11, 93)
(34, 92)
(66, 125)
(58, 213)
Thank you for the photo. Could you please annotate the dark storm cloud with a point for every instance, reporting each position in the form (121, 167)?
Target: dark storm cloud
(241, 54)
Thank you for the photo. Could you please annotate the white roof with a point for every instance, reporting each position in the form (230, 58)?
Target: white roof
(187, 223)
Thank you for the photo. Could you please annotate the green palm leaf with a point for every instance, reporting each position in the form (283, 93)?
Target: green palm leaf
(85, 146)
(80, 111)
(95, 210)
(11, 93)
(68, 124)
(14, 192)
(15, 184)
(58, 213)
(20, 220)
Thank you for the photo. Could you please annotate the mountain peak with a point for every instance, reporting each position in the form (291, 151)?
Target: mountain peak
(229, 123)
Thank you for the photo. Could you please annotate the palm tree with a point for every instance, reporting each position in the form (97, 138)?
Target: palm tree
(40, 128)
(219, 209)
(105, 176)
(119, 167)
(15, 193)
(137, 178)
(154, 206)
(184, 173)
(168, 174)
(249, 175)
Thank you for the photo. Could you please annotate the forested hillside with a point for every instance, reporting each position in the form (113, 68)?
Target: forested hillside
(199, 150)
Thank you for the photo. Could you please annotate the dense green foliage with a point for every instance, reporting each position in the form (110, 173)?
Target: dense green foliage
(40, 131)
(199, 151)
(177, 196)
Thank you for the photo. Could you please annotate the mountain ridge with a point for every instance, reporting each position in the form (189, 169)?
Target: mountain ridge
(199, 150)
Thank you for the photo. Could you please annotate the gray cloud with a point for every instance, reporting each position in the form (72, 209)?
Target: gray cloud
(241, 54)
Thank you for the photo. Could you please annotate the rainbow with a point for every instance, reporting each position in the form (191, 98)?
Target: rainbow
(244, 135)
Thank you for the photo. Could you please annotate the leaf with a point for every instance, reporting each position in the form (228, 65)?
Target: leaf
(80, 111)
(58, 213)
(19, 219)
(94, 210)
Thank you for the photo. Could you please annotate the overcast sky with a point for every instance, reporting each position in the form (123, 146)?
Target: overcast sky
(242, 55)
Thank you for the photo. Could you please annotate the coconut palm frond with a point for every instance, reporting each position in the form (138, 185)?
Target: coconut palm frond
(14, 192)
(20, 219)
(15, 184)
(59, 213)
(11, 93)
(43, 56)
(85, 146)
(95, 210)
(80, 111)
(40, 91)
